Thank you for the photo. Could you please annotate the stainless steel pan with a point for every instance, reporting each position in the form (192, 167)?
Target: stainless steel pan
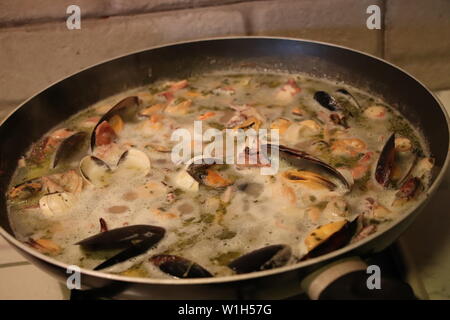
(59, 101)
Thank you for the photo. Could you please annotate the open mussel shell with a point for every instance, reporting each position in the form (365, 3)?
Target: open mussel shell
(95, 171)
(26, 190)
(329, 237)
(204, 174)
(405, 167)
(295, 157)
(179, 267)
(197, 170)
(68, 148)
(124, 237)
(131, 252)
(133, 162)
(350, 97)
(269, 257)
(385, 164)
(410, 189)
(327, 101)
(126, 109)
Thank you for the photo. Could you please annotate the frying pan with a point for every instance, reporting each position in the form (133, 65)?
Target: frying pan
(64, 98)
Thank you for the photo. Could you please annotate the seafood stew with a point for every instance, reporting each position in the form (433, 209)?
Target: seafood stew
(101, 190)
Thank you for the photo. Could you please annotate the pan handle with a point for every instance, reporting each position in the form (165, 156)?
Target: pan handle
(349, 279)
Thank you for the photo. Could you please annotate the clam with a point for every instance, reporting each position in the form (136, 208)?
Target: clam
(69, 181)
(68, 148)
(329, 237)
(55, 204)
(95, 171)
(179, 267)
(296, 157)
(124, 110)
(265, 258)
(133, 162)
(186, 182)
(135, 240)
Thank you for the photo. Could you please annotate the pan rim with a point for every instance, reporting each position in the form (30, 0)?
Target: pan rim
(253, 275)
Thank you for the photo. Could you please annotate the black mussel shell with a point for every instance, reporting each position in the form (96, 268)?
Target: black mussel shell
(131, 252)
(385, 164)
(69, 147)
(327, 101)
(124, 237)
(290, 155)
(269, 257)
(336, 241)
(179, 267)
(126, 109)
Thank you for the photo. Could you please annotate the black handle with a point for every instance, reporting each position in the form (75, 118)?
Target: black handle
(353, 286)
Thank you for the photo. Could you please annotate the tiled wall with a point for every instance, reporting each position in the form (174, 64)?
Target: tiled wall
(37, 49)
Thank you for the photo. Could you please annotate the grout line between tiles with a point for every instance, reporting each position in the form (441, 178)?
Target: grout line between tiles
(14, 264)
(383, 28)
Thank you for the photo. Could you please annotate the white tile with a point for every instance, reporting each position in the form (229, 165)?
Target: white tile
(8, 254)
(26, 282)
(444, 96)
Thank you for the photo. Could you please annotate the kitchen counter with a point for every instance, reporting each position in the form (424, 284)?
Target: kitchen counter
(426, 247)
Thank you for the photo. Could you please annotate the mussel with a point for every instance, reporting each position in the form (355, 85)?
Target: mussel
(69, 147)
(26, 189)
(410, 189)
(327, 101)
(329, 237)
(204, 173)
(339, 113)
(265, 258)
(295, 157)
(385, 164)
(135, 240)
(309, 179)
(350, 97)
(124, 110)
(179, 267)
